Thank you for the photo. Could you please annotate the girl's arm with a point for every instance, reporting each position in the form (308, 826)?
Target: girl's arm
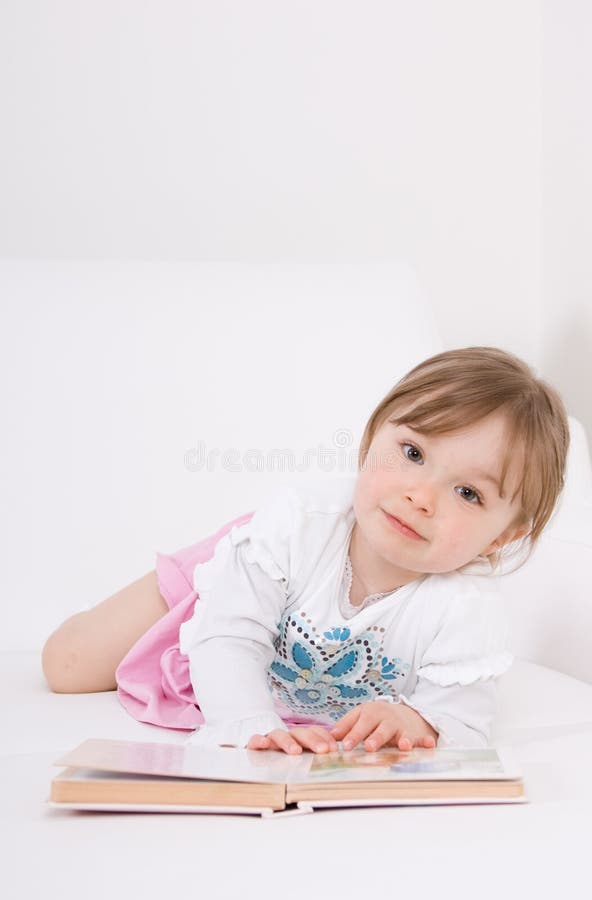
(229, 640)
(456, 690)
(461, 714)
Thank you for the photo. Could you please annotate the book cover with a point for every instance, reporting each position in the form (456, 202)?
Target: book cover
(167, 776)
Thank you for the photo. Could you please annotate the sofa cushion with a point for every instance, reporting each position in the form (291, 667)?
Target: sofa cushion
(533, 701)
(538, 702)
(548, 599)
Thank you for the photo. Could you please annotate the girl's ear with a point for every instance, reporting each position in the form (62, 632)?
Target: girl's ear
(512, 533)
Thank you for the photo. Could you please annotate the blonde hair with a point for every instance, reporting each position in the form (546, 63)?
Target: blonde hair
(459, 387)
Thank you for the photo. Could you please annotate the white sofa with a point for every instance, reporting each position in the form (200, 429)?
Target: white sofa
(119, 378)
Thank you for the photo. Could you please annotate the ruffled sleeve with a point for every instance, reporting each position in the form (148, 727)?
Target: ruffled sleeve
(456, 690)
(243, 590)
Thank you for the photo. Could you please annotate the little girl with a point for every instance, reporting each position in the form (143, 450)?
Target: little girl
(357, 609)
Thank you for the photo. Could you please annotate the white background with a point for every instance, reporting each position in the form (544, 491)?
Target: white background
(455, 135)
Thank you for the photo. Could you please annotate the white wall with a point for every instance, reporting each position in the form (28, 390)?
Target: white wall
(566, 353)
(316, 130)
(309, 130)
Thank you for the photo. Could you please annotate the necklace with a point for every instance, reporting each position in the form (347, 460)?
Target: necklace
(368, 599)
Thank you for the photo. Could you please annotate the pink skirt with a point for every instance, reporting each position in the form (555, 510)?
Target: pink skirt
(153, 682)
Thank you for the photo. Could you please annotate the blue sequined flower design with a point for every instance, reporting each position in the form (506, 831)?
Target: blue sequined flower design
(330, 673)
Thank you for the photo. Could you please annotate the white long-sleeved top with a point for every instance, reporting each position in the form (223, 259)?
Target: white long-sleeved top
(272, 639)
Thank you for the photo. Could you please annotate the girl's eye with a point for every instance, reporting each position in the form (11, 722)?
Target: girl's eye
(469, 494)
(410, 451)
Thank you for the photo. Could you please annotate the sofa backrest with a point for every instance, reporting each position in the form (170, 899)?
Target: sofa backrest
(147, 403)
(549, 599)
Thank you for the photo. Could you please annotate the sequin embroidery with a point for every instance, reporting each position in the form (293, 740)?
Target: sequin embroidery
(331, 672)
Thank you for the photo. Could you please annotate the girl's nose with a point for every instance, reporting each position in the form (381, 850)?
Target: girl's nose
(422, 498)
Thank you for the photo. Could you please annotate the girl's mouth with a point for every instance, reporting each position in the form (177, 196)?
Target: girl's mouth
(402, 527)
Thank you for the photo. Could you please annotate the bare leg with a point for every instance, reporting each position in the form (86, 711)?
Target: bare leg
(81, 656)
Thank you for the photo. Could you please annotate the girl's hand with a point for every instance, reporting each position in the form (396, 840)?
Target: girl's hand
(311, 737)
(382, 724)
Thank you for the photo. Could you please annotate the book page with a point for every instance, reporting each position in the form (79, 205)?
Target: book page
(413, 765)
(276, 767)
(186, 761)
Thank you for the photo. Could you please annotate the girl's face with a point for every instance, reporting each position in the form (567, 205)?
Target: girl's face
(441, 491)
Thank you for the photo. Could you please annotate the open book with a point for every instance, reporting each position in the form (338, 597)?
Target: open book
(154, 777)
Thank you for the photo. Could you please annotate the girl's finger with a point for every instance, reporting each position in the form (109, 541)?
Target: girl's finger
(259, 742)
(315, 738)
(285, 741)
(380, 736)
(326, 737)
(345, 724)
(353, 737)
(315, 743)
(333, 745)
